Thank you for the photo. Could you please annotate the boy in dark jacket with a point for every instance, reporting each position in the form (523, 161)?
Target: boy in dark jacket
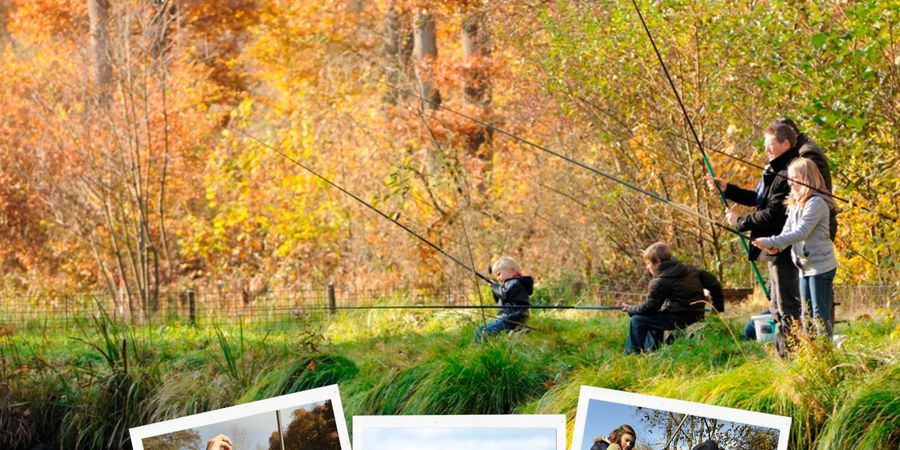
(511, 293)
(675, 299)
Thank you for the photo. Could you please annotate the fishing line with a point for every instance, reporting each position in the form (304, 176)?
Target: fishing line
(569, 159)
(709, 167)
(368, 205)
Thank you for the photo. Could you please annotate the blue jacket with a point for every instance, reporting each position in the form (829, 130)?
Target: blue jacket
(514, 291)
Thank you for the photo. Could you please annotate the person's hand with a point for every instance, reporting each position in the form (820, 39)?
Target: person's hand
(731, 217)
(623, 306)
(711, 183)
(758, 244)
(220, 442)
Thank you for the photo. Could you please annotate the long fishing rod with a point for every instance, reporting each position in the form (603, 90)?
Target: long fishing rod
(825, 192)
(569, 159)
(735, 157)
(377, 307)
(368, 205)
(709, 167)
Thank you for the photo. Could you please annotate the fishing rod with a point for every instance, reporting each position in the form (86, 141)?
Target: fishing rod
(569, 159)
(389, 307)
(709, 167)
(820, 191)
(729, 155)
(369, 205)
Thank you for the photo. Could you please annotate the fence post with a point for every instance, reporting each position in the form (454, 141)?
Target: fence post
(332, 304)
(192, 307)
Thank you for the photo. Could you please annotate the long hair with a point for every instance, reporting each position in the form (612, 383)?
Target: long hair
(805, 171)
(616, 435)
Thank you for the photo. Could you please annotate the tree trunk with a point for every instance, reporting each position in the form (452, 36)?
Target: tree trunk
(476, 58)
(5, 8)
(392, 64)
(98, 12)
(425, 52)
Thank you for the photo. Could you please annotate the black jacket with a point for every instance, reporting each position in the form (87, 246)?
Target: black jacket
(809, 150)
(771, 212)
(708, 445)
(678, 289)
(514, 291)
(600, 444)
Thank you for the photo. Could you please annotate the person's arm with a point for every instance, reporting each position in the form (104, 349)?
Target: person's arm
(741, 196)
(711, 284)
(814, 211)
(653, 303)
(774, 211)
(497, 292)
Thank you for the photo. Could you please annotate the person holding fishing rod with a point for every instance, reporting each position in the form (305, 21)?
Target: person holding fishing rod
(807, 233)
(511, 293)
(675, 299)
(806, 148)
(768, 220)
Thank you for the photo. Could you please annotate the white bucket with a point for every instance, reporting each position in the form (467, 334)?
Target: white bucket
(765, 327)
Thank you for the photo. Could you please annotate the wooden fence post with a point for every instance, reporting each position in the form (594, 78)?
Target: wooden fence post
(192, 307)
(332, 303)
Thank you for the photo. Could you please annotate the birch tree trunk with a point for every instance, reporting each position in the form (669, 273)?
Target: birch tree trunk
(425, 52)
(98, 12)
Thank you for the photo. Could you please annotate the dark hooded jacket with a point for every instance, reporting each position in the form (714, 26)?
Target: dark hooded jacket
(709, 444)
(771, 212)
(514, 291)
(677, 288)
(808, 149)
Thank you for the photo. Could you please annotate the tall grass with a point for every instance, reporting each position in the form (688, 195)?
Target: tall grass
(487, 379)
(417, 363)
(309, 372)
(869, 417)
(103, 402)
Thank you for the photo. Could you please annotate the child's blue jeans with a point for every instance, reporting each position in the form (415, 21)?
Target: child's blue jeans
(817, 292)
(487, 330)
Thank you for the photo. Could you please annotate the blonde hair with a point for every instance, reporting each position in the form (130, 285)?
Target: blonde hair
(657, 252)
(805, 172)
(505, 262)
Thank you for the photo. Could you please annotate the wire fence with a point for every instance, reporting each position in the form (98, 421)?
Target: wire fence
(287, 307)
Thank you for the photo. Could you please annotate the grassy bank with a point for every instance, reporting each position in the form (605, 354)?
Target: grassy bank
(93, 384)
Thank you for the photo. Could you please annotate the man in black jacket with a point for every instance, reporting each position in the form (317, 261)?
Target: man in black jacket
(675, 299)
(767, 220)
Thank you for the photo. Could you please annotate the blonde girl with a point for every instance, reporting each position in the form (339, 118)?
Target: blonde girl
(807, 230)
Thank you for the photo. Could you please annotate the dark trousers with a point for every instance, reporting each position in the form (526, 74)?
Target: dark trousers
(646, 332)
(784, 290)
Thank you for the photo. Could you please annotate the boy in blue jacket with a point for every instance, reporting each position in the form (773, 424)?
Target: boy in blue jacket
(511, 294)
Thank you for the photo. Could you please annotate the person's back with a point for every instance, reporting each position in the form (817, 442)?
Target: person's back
(675, 299)
(513, 297)
(677, 288)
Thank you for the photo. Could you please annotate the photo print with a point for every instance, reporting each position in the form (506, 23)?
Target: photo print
(481, 432)
(308, 420)
(616, 420)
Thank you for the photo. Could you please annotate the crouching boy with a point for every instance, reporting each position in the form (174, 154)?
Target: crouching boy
(511, 294)
(675, 299)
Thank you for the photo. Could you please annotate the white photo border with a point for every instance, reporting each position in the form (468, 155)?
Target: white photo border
(588, 393)
(554, 421)
(138, 434)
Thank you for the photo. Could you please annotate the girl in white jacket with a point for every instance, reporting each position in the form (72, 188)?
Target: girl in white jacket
(807, 230)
